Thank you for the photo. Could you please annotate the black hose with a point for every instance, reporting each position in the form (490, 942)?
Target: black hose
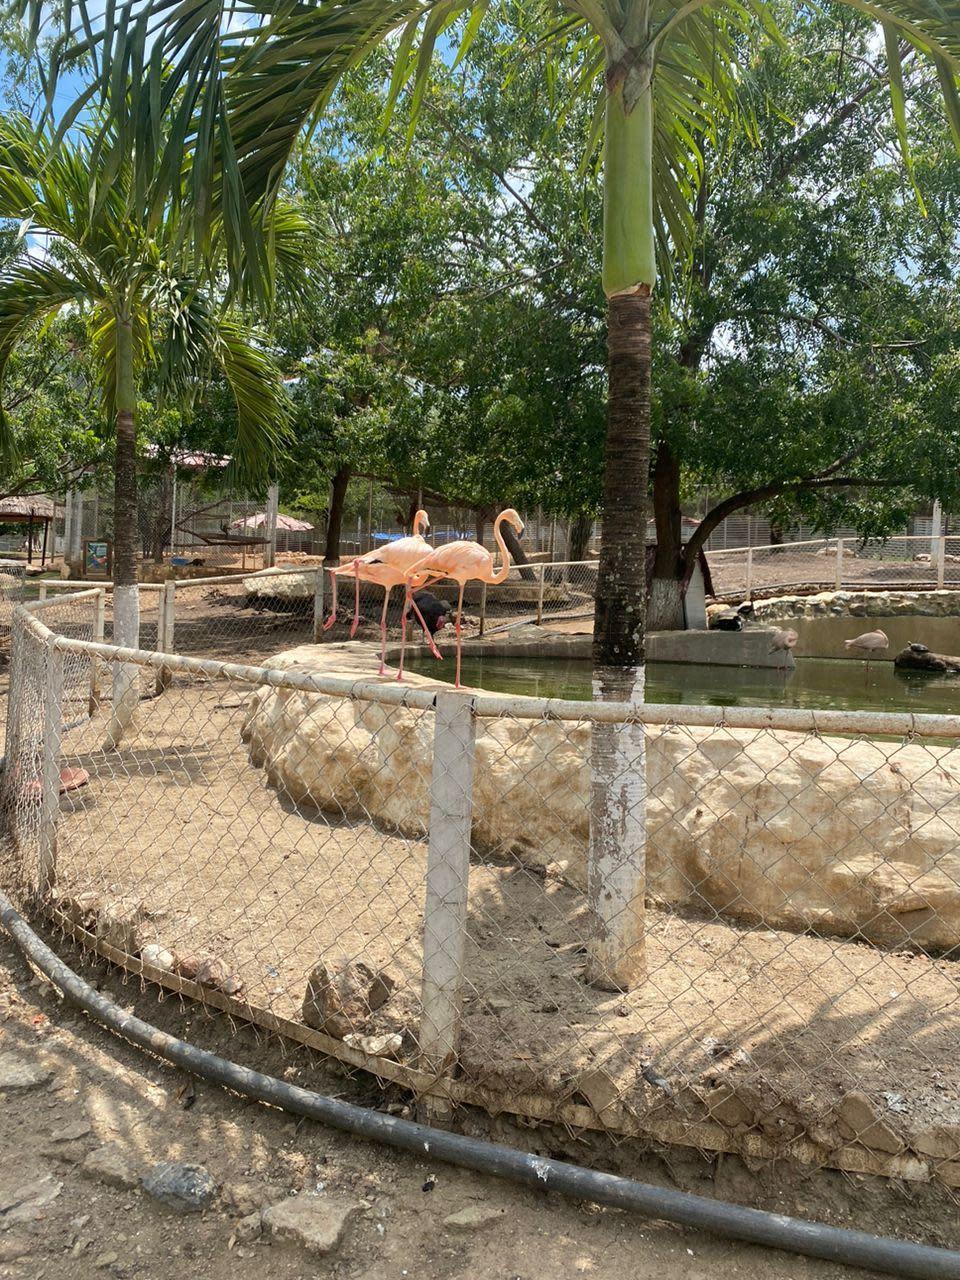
(854, 1248)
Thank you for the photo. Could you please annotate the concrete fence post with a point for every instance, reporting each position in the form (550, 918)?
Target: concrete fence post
(448, 873)
(42, 592)
(838, 580)
(167, 604)
(543, 581)
(318, 606)
(50, 768)
(99, 630)
(941, 560)
(273, 510)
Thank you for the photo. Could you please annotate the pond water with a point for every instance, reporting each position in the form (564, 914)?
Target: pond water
(824, 637)
(816, 683)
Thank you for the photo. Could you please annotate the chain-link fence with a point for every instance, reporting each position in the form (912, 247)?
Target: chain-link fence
(914, 563)
(734, 929)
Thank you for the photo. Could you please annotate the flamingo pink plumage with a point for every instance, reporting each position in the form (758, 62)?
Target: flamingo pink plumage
(387, 566)
(465, 561)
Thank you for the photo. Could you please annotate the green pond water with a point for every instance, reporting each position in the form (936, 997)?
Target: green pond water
(817, 683)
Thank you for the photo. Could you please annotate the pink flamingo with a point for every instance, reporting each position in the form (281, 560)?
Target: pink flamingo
(463, 561)
(388, 567)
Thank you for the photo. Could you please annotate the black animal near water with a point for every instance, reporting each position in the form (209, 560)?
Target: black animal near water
(434, 611)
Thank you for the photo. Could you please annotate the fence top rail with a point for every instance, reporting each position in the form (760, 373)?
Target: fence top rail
(37, 606)
(500, 706)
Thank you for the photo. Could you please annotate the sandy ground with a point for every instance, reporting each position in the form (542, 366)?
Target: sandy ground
(180, 820)
(107, 1094)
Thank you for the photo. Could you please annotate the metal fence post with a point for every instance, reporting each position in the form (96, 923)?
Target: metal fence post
(941, 560)
(543, 580)
(749, 587)
(483, 608)
(99, 630)
(318, 607)
(50, 768)
(448, 872)
(839, 575)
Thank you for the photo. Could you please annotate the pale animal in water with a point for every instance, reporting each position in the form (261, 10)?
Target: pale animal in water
(869, 643)
(783, 640)
(466, 561)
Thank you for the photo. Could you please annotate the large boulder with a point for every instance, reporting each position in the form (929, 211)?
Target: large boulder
(856, 838)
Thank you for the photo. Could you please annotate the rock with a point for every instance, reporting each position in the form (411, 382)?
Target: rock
(81, 909)
(118, 924)
(188, 1188)
(917, 658)
(244, 1198)
(385, 1046)
(316, 1224)
(599, 1089)
(71, 1132)
(941, 1141)
(249, 1228)
(19, 1073)
(110, 1165)
(157, 956)
(860, 1120)
(27, 1202)
(209, 971)
(725, 1107)
(473, 1218)
(106, 1259)
(796, 831)
(340, 999)
(12, 1248)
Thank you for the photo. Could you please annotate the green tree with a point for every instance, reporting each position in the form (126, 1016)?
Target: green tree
(666, 71)
(818, 309)
(124, 271)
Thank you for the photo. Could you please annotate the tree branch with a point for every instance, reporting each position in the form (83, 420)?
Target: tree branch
(750, 497)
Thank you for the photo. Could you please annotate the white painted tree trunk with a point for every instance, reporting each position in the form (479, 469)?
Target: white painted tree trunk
(126, 676)
(616, 869)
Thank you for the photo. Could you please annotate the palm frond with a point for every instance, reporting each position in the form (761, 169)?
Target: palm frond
(31, 292)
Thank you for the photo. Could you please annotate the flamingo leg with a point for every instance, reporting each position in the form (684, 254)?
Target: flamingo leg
(356, 600)
(426, 630)
(383, 631)
(403, 629)
(333, 601)
(456, 683)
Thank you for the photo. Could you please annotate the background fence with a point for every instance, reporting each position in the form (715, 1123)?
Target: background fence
(734, 929)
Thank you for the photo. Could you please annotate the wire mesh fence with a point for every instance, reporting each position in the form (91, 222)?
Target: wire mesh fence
(735, 929)
(912, 563)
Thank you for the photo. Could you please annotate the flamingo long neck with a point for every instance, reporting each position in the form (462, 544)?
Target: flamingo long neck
(503, 571)
(420, 522)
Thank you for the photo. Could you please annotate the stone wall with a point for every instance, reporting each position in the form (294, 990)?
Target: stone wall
(840, 836)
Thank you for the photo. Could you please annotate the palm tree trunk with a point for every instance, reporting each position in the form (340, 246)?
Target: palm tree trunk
(126, 600)
(617, 861)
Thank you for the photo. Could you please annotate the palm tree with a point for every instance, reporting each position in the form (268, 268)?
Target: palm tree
(244, 82)
(122, 263)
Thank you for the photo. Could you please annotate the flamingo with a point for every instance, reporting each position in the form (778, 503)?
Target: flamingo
(783, 641)
(463, 561)
(869, 643)
(387, 567)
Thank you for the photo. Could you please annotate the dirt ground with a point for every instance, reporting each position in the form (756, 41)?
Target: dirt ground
(180, 820)
(102, 1093)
